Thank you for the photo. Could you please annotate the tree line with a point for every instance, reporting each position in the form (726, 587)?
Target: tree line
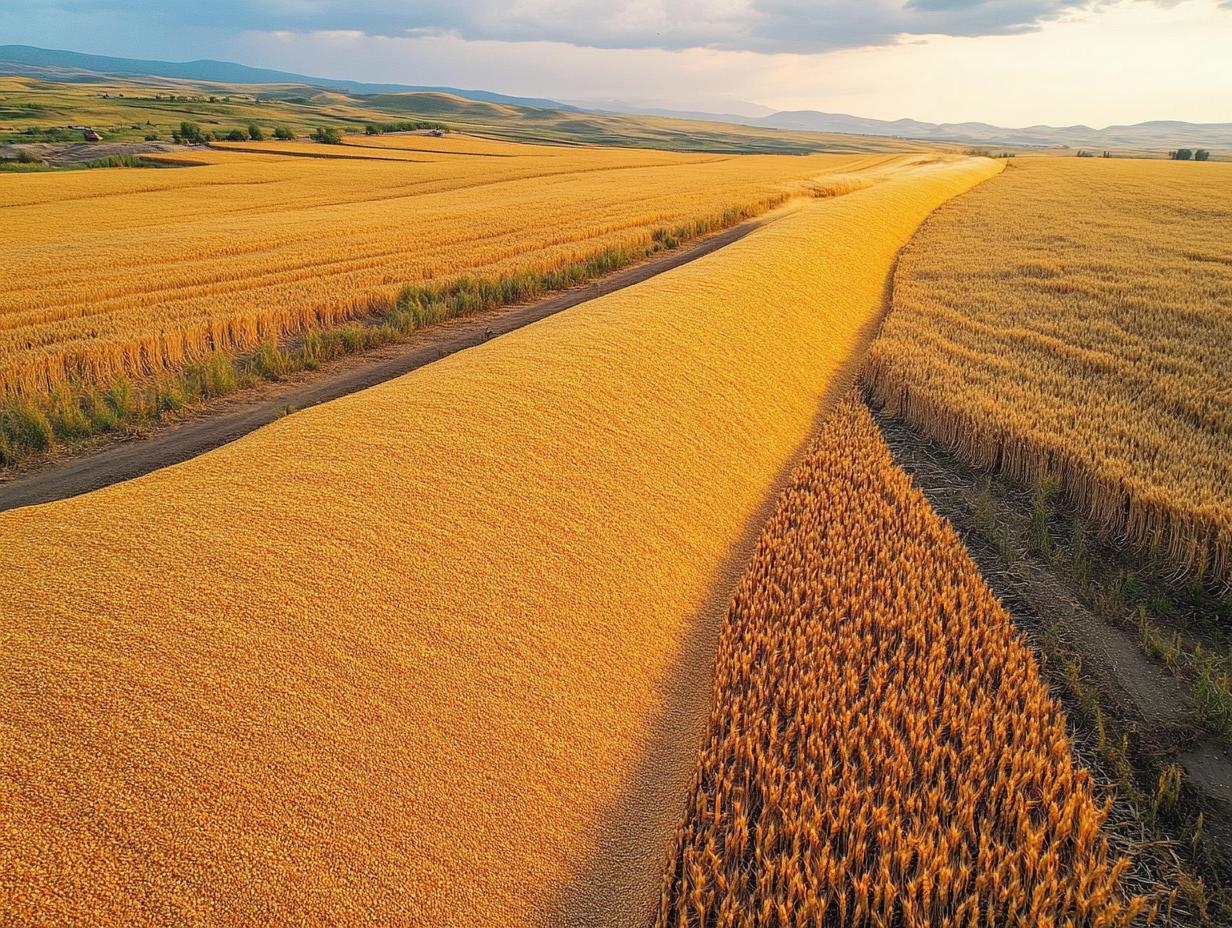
(190, 133)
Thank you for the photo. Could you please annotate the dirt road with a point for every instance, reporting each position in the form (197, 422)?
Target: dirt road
(233, 417)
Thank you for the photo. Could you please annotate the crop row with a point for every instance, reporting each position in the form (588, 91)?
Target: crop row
(1072, 320)
(136, 273)
(882, 750)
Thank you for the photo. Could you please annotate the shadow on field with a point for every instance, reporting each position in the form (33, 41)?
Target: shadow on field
(619, 883)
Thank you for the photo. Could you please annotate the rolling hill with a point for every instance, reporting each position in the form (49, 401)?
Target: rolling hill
(60, 65)
(55, 65)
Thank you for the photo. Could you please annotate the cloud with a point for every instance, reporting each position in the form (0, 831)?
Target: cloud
(804, 26)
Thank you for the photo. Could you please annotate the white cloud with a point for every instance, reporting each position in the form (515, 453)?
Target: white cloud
(1126, 62)
(734, 25)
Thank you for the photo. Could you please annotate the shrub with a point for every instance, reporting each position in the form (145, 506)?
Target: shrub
(406, 125)
(169, 397)
(189, 133)
(270, 361)
(237, 135)
(27, 427)
(102, 417)
(255, 133)
(67, 418)
(114, 161)
(327, 136)
(120, 396)
(25, 156)
(284, 134)
(217, 375)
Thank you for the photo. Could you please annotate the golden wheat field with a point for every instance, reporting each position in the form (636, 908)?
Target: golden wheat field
(133, 272)
(1073, 319)
(881, 750)
(437, 653)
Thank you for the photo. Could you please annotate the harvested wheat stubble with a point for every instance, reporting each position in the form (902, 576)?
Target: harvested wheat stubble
(244, 247)
(1074, 319)
(436, 653)
(881, 750)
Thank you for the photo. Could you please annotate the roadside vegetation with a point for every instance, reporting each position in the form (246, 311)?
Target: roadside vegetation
(27, 162)
(74, 412)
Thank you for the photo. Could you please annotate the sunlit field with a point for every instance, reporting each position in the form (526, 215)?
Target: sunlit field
(134, 272)
(420, 653)
(881, 749)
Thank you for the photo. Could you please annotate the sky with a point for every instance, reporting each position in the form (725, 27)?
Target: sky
(1008, 62)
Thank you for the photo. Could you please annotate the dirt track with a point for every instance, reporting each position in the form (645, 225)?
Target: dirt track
(1152, 707)
(233, 417)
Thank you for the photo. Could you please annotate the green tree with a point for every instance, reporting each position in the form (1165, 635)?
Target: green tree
(237, 135)
(1182, 154)
(1202, 155)
(189, 133)
(255, 133)
(282, 132)
(330, 136)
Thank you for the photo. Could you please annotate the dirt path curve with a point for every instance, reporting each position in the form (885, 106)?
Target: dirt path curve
(233, 417)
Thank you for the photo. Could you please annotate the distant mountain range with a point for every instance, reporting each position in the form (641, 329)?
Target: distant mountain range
(49, 64)
(1154, 135)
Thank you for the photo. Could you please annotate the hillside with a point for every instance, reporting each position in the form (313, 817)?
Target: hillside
(1158, 134)
(59, 65)
(606, 121)
(129, 109)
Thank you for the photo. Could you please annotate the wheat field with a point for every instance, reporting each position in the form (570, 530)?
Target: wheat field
(1073, 320)
(881, 749)
(134, 272)
(438, 653)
